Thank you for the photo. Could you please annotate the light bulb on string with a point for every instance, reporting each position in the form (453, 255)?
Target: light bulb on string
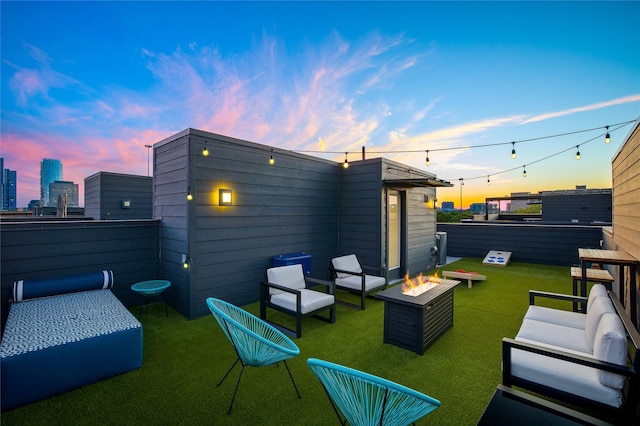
(346, 161)
(272, 160)
(607, 137)
(488, 180)
(524, 171)
(427, 160)
(205, 151)
(578, 152)
(513, 150)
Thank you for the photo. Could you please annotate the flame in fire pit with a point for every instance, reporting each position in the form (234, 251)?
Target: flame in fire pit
(419, 284)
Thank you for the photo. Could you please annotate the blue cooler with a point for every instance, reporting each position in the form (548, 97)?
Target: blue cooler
(293, 258)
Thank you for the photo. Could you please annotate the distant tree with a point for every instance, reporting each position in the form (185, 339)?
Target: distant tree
(453, 216)
(531, 208)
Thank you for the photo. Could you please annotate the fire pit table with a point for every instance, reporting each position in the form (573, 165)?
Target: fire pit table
(416, 322)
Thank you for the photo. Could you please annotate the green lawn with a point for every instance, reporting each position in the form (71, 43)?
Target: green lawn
(183, 361)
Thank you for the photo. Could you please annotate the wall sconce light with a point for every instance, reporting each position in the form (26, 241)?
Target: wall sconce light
(225, 197)
(185, 261)
(435, 203)
(189, 194)
(126, 204)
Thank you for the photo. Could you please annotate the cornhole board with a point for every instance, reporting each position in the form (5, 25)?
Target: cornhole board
(498, 258)
(469, 276)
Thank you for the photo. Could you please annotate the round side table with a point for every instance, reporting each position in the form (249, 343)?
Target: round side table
(152, 291)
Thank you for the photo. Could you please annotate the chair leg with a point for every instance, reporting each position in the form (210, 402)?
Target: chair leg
(225, 376)
(236, 389)
(292, 381)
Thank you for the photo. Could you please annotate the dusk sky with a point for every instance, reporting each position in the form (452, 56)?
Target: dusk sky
(90, 83)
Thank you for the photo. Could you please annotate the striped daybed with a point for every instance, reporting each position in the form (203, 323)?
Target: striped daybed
(64, 333)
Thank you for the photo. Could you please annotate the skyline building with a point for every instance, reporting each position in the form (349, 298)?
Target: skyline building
(60, 187)
(50, 171)
(8, 179)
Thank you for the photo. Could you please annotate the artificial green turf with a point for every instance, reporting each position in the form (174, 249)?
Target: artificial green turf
(183, 361)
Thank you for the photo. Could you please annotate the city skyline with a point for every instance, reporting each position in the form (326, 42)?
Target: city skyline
(461, 80)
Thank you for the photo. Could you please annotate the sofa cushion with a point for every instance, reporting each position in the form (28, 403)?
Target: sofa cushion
(556, 316)
(346, 263)
(291, 276)
(354, 282)
(599, 307)
(596, 291)
(611, 345)
(310, 300)
(562, 317)
(555, 335)
(562, 375)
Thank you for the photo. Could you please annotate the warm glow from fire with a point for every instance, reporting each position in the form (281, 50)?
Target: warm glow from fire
(418, 281)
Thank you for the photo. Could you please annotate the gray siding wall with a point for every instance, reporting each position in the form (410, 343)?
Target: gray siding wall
(104, 193)
(33, 250)
(362, 205)
(289, 207)
(421, 235)
(585, 208)
(170, 186)
(542, 244)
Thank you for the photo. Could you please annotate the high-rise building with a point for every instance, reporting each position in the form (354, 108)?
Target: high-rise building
(60, 187)
(9, 190)
(2, 183)
(50, 171)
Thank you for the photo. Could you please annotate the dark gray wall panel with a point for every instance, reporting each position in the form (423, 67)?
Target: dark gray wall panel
(543, 244)
(31, 250)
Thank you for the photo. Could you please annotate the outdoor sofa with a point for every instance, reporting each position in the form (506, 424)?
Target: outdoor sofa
(64, 333)
(589, 359)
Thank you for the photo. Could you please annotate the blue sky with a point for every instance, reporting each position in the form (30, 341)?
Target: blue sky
(90, 83)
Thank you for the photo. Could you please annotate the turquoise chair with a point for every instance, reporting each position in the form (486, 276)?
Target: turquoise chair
(256, 343)
(367, 400)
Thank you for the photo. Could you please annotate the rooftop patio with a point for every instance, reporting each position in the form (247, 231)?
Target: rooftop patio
(183, 361)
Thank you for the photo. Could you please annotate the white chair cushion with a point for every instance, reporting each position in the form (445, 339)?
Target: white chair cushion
(354, 282)
(346, 263)
(562, 375)
(599, 307)
(611, 345)
(310, 300)
(555, 335)
(290, 276)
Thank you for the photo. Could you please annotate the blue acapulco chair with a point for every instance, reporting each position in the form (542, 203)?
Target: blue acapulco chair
(257, 343)
(365, 399)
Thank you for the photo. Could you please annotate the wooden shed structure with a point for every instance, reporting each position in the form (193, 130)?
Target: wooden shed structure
(226, 211)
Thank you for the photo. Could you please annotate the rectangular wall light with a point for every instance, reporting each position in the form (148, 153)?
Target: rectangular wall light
(225, 197)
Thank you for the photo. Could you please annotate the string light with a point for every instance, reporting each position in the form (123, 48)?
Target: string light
(524, 171)
(513, 150)
(578, 152)
(427, 161)
(607, 137)
(272, 160)
(189, 195)
(205, 151)
(488, 180)
(346, 161)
